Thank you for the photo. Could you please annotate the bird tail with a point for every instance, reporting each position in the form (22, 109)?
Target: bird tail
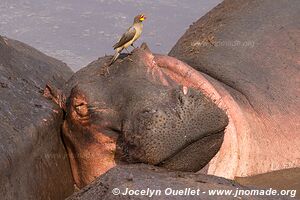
(117, 54)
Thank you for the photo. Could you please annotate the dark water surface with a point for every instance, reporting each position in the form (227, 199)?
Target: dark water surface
(79, 31)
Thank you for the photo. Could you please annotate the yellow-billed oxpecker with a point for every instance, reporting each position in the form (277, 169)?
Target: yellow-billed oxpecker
(129, 37)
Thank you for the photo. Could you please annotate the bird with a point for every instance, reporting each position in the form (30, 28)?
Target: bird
(129, 37)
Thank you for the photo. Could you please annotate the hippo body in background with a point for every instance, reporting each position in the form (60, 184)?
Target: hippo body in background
(249, 51)
(33, 161)
(141, 177)
(285, 179)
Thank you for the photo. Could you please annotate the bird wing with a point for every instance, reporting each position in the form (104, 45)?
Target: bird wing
(126, 37)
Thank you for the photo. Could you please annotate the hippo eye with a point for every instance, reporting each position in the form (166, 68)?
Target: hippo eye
(82, 109)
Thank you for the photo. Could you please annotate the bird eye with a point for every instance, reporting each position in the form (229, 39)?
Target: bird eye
(142, 17)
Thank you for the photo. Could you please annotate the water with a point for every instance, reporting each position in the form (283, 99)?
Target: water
(79, 31)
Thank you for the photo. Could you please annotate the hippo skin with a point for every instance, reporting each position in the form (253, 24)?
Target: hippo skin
(285, 179)
(33, 160)
(249, 51)
(141, 177)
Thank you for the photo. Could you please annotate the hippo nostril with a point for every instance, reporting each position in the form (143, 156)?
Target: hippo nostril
(182, 99)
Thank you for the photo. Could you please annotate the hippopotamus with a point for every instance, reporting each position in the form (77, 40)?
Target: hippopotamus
(33, 160)
(140, 181)
(145, 108)
(249, 52)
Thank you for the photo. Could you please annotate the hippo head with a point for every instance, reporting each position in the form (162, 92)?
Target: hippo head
(137, 110)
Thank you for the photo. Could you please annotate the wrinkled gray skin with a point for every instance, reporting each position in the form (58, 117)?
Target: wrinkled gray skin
(149, 122)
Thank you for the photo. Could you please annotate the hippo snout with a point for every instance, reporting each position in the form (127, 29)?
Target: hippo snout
(157, 134)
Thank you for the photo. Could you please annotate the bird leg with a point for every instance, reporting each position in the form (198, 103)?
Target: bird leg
(129, 53)
(127, 50)
(133, 46)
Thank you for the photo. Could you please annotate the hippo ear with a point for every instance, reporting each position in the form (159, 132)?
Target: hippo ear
(145, 47)
(55, 95)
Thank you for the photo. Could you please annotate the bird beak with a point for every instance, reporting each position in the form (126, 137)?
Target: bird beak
(142, 18)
